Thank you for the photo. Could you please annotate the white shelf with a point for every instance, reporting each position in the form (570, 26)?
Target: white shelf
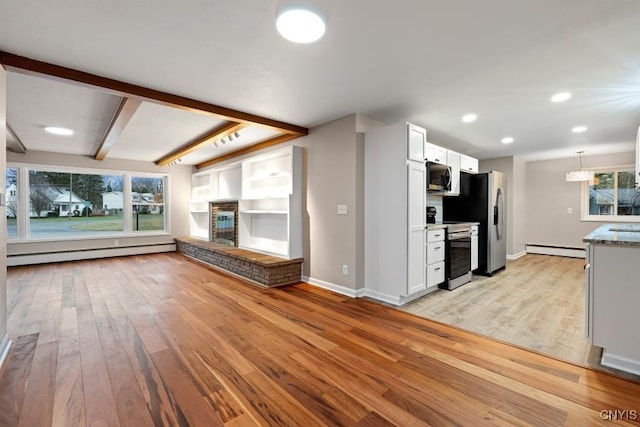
(265, 212)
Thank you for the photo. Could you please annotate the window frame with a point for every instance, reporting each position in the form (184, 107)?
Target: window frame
(584, 202)
(23, 232)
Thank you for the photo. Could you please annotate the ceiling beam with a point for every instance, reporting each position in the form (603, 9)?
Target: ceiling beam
(23, 65)
(250, 149)
(13, 141)
(217, 133)
(125, 111)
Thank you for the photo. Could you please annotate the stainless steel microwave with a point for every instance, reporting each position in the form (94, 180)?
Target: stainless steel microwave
(438, 177)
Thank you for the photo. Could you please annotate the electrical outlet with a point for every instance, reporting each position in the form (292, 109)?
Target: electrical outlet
(570, 211)
(345, 270)
(342, 209)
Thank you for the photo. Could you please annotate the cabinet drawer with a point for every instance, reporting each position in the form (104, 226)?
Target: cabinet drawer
(435, 235)
(435, 252)
(435, 274)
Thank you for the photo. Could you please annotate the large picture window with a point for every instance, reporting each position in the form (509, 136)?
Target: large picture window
(45, 203)
(611, 196)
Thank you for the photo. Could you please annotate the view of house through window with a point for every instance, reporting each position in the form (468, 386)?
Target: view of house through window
(54, 204)
(68, 204)
(12, 202)
(612, 194)
(147, 203)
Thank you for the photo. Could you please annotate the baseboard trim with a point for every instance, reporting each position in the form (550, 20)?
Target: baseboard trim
(556, 251)
(619, 362)
(5, 345)
(353, 293)
(516, 256)
(396, 300)
(43, 258)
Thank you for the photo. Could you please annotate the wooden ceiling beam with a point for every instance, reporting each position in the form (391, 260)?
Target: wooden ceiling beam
(217, 133)
(249, 149)
(23, 65)
(14, 143)
(125, 111)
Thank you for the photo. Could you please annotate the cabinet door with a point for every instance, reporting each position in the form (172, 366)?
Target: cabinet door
(638, 158)
(435, 154)
(416, 251)
(474, 252)
(453, 161)
(468, 164)
(416, 139)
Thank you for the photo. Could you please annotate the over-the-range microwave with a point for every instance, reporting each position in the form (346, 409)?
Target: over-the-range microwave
(438, 177)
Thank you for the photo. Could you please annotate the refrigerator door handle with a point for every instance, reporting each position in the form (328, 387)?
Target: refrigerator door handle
(500, 214)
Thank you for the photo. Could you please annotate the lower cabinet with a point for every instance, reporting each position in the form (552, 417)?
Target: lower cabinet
(435, 266)
(474, 247)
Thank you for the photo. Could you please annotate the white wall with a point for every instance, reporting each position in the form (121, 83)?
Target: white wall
(3, 214)
(178, 200)
(549, 195)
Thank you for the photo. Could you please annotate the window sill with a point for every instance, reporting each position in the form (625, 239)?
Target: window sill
(610, 219)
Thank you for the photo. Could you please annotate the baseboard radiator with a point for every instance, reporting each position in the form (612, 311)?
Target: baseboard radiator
(76, 255)
(565, 251)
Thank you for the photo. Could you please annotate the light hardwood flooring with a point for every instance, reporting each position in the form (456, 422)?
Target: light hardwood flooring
(161, 340)
(537, 302)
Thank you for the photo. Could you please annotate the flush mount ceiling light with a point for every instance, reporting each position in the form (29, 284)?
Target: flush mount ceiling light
(55, 130)
(561, 97)
(579, 129)
(581, 175)
(507, 140)
(468, 118)
(299, 24)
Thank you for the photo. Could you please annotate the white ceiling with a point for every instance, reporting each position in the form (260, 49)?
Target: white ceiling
(426, 61)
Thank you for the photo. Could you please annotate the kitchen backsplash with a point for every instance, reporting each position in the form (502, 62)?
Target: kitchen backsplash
(437, 202)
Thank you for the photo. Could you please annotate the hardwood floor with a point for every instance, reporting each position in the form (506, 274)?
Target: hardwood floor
(537, 302)
(162, 340)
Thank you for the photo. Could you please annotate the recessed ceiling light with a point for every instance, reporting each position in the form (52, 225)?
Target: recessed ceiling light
(561, 97)
(55, 130)
(507, 140)
(468, 118)
(579, 129)
(299, 24)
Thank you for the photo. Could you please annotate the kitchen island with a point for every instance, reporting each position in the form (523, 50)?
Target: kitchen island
(612, 309)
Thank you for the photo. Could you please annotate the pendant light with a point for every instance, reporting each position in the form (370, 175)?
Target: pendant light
(580, 175)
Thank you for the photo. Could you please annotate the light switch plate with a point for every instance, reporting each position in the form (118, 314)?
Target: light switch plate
(342, 209)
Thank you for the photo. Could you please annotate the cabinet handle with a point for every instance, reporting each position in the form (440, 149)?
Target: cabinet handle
(436, 269)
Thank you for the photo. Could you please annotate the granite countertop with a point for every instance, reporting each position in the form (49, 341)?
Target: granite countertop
(615, 234)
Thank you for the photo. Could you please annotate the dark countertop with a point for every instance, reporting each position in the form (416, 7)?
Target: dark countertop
(615, 234)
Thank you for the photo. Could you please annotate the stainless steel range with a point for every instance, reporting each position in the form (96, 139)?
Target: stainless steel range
(458, 265)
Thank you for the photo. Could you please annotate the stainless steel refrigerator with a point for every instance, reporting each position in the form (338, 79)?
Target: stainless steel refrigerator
(482, 199)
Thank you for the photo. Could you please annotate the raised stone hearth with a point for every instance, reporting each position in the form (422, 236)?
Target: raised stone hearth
(264, 270)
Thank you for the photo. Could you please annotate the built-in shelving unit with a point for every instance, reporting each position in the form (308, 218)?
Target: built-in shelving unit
(270, 208)
(268, 189)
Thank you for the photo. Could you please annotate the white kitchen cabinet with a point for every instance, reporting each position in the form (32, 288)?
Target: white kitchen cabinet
(201, 195)
(612, 295)
(270, 210)
(435, 154)
(453, 161)
(416, 179)
(436, 249)
(395, 215)
(468, 164)
(416, 139)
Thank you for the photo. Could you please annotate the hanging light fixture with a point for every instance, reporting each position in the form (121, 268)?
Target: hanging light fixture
(580, 175)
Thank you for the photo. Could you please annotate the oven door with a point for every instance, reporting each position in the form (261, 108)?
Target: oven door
(458, 258)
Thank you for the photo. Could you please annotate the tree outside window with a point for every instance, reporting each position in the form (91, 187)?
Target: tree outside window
(613, 194)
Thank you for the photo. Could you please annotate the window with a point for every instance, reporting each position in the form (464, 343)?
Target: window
(611, 196)
(147, 203)
(69, 204)
(64, 203)
(12, 202)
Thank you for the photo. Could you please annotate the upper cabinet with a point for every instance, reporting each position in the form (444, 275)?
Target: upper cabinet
(468, 164)
(435, 154)
(453, 161)
(416, 140)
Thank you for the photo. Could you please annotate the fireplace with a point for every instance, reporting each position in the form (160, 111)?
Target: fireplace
(224, 223)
